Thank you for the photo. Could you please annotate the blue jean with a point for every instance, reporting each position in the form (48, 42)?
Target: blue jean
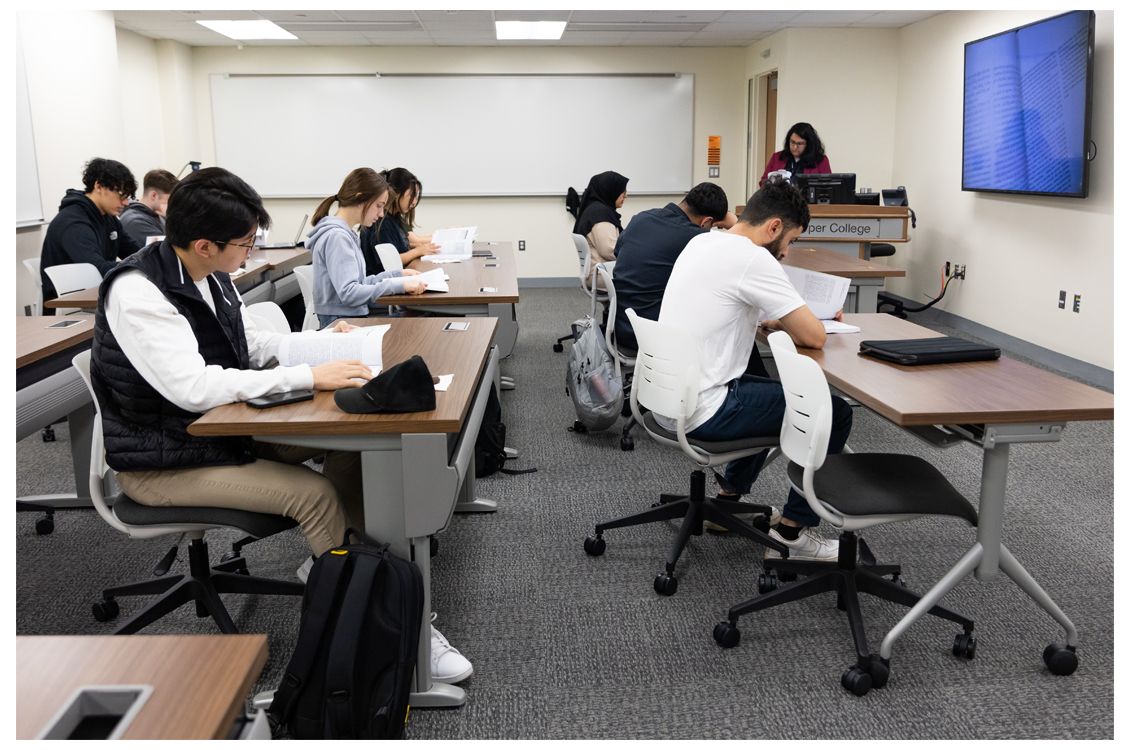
(755, 407)
(327, 320)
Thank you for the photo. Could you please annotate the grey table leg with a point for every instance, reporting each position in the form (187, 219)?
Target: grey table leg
(468, 501)
(507, 334)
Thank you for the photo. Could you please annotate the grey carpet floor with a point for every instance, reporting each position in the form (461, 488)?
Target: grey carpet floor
(570, 646)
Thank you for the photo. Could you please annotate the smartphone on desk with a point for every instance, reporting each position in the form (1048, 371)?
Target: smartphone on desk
(65, 324)
(280, 399)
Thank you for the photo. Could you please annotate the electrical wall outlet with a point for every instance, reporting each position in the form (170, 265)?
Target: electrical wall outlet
(1075, 307)
(960, 272)
(1062, 300)
(714, 171)
(521, 244)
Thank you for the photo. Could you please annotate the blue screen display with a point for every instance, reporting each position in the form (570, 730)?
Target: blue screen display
(1026, 107)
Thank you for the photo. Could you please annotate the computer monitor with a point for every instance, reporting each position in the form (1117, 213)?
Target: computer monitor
(827, 188)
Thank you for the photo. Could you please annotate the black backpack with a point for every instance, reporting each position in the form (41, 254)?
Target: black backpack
(351, 673)
(490, 445)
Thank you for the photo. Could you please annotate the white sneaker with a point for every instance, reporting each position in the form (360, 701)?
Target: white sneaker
(448, 665)
(774, 517)
(303, 571)
(808, 546)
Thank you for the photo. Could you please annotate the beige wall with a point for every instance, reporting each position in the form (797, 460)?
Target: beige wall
(1020, 250)
(143, 121)
(72, 73)
(542, 222)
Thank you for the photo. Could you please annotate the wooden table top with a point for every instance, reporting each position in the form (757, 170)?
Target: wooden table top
(837, 264)
(462, 353)
(200, 682)
(283, 259)
(466, 279)
(34, 340)
(1003, 391)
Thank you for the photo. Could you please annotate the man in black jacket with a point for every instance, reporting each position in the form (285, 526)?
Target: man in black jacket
(87, 228)
(145, 217)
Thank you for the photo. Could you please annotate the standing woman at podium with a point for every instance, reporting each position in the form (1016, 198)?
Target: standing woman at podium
(803, 154)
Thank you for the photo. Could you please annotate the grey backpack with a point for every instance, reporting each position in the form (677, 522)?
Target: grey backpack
(591, 379)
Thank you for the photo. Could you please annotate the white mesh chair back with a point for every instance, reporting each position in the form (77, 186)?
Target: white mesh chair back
(604, 270)
(667, 373)
(73, 277)
(305, 276)
(32, 266)
(807, 426)
(389, 257)
(274, 319)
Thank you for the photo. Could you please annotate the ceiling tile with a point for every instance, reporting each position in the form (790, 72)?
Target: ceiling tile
(218, 15)
(170, 26)
(607, 16)
(897, 19)
(683, 16)
(299, 15)
(657, 38)
(447, 28)
(396, 37)
(532, 15)
(147, 15)
(482, 16)
(737, 29)
(611, 38)
(830, 17)
(766, 17)
(332, 37)
(376, 15)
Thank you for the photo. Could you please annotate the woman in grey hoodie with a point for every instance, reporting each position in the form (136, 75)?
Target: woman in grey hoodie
(341, 287)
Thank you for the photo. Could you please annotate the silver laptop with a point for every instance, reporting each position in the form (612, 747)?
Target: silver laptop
(297, 237)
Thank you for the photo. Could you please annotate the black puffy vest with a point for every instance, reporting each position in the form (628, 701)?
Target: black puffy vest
(144, 431)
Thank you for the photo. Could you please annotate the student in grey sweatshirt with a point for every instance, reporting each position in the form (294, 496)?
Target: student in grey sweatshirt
(341, 287)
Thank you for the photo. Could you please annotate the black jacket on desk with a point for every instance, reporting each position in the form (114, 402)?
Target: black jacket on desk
(80, 233)
(384, 230)
(645, 253)
(141, 221)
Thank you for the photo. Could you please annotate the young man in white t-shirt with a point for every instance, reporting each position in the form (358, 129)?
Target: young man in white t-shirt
(719, 287)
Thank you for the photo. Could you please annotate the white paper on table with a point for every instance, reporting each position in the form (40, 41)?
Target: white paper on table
(315, 348)
(436, 280)
(444, 382)
(835, 326)
(823, 294)
(455, 243)
(438, 259)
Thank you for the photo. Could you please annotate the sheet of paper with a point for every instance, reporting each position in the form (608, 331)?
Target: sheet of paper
(823, 294)
(834, 326)
(439, 259)
(444, 382)
(436, 280)
(455, 243)
(318, 347)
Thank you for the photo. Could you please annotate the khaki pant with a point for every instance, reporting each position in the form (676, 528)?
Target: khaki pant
(324, 505)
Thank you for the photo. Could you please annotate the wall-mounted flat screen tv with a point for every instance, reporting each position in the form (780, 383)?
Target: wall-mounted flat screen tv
(1027, 121)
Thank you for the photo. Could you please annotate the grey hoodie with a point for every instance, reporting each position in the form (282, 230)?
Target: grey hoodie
(141, 221)
(340, 285)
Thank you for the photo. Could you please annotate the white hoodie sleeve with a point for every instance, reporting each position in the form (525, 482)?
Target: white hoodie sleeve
(162, 346)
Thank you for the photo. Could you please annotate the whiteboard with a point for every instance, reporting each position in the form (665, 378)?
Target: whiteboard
(300, 135)
(29, 207)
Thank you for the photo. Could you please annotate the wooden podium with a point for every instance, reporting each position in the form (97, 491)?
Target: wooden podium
(850, 229)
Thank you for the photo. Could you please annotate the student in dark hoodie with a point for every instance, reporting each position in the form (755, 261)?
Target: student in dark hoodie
(395, 227)
(145, 217)
(87, 228)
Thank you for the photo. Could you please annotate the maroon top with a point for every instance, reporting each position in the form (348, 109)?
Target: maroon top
(778, 160)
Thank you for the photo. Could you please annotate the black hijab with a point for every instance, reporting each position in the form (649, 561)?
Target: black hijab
(599, 202)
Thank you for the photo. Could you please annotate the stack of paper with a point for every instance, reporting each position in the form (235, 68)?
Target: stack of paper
(823, 294)
(454, 243)
(436, 280)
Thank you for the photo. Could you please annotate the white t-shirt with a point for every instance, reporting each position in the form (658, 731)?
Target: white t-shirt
(717, 290)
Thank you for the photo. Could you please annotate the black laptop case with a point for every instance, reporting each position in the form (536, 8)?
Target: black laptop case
(932, 351)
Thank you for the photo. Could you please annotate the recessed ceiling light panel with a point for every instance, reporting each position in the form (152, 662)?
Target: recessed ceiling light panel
(247, 30)
(529, 29)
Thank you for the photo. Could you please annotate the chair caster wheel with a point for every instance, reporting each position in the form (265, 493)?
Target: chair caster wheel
(761, 523)
(558, 348)
(880, 671)
(727, 635)
(594, 545)
(48, 434)
(627, 443)
(433, 546)
(228, 556)
(895, 579)
(766, 582)
(965, 645)
(856, 680)
(44, 526)
(107, 609)
(579, 427)
(1061, 660)
(786, 576)
(666, 585)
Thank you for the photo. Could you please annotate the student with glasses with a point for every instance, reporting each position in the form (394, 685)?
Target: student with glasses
(87, 228)
(803, 154)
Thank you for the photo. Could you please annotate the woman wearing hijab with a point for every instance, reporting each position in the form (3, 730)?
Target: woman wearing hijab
(803, 154)
(598, 221)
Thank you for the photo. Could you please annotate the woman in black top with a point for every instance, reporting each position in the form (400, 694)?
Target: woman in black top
(598, 221)
(395, 227)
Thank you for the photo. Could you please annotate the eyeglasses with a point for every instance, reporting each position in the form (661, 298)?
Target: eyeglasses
(237, 244)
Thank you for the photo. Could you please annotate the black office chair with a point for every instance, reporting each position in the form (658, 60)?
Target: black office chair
(851, 491)
(204, 583)
(666, 381)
